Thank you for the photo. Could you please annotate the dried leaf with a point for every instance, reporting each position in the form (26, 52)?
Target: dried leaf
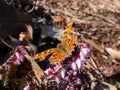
(57, 19)
(35, 67)
(114, 53)
(28, 34)
(111, 87)
(37, 70)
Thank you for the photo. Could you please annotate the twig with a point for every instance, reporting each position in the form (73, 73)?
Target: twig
(92, 61)
(6, 43)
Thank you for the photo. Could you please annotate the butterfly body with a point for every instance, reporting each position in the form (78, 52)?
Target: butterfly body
(63, 50)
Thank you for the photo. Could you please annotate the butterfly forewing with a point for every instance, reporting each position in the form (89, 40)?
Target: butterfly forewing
(68, 31)
(70, 44)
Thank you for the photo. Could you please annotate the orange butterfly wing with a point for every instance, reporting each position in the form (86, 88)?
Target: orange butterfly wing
(45, 53)
(70, 44)
(68, 30)
(59, 55)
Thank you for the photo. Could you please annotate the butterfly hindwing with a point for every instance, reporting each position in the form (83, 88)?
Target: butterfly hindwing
(45, 53)
(57, 56)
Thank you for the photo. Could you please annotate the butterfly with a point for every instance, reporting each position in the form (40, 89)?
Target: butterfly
(63, 49)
